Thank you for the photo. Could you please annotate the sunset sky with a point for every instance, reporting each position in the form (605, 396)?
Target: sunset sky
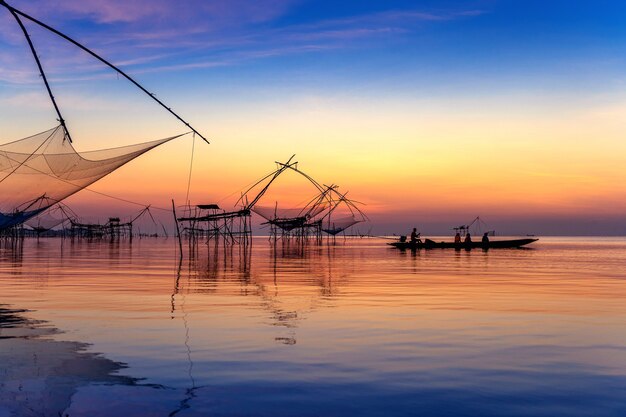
(429, 112)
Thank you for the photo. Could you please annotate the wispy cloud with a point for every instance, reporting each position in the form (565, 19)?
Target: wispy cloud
(28, 100)
(166, 12)
(161, 35)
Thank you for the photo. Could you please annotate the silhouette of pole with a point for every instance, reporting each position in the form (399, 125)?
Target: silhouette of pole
(16, 12)
(180, 242)
(41, 72)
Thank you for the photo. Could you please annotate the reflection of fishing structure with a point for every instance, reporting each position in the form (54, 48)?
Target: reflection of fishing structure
(329, 211)
(190, 392)
(41, 170)
(11, 250)
(286, 298)
(225, 271)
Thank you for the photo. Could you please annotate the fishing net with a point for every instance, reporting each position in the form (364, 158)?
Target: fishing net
(334, 226)
(48, 220)
(274, 213)
(41, 170)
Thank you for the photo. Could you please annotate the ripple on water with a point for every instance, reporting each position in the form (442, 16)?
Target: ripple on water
(353, 329)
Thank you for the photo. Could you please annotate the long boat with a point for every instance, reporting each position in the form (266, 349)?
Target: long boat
(492, 244)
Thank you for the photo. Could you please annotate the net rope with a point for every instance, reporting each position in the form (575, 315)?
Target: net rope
(43, 169)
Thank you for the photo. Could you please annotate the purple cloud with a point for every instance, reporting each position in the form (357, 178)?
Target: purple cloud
(162, 35)
(165, 12)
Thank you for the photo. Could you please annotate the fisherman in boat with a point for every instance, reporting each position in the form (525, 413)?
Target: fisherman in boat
(415, 237)
(485, 240)
(457, 238)
(468, 239)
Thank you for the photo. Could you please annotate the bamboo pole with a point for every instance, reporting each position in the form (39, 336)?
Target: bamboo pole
(180, 241)
(16, 12)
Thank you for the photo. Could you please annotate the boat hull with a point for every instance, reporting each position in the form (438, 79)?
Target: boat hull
(431, 244)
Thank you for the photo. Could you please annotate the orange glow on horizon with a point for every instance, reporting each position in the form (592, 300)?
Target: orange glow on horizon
(406, 158)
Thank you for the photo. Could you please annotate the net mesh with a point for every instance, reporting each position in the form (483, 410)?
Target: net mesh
(41, 170)
(51, 218)
(335, 226)
(277, 213)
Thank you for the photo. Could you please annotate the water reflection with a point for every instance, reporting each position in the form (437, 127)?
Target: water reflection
(39, 376)
(335, 330)
(233, 265)
(11, 253)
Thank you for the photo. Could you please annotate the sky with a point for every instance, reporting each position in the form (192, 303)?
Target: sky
(428, 112)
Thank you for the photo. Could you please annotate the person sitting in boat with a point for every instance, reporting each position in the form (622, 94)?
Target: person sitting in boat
(468, 239)
(457, 238)
(415, 237)
(485, 240)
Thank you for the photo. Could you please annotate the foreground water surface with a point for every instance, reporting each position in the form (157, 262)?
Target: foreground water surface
(356, 328)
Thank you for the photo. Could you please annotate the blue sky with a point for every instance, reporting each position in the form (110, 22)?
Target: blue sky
(429, 44)
(380, 83)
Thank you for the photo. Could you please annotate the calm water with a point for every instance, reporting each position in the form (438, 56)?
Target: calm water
(352, 329)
